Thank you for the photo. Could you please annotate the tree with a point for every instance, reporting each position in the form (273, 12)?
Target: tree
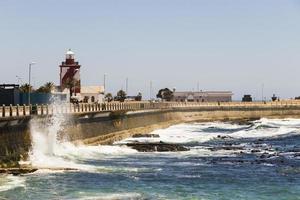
(138, 97)
(165, 94)
(25, 88)
(108, 97)
(121, 96)
(49, 86)
(46, 88)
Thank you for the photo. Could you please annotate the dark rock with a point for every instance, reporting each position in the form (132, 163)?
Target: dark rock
(223, 137)
(17, 171)
(265, 155)
(145, 135)
(217, 148)
(255, 150)
(156, 147)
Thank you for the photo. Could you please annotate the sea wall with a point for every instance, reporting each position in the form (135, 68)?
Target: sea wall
(105, 127)
(15, 140)
(116, 126)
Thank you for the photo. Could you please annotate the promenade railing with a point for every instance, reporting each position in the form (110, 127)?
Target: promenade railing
(25, 110)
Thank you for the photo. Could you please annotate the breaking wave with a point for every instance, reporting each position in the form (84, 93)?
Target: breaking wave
(9, 182)
(50, 151)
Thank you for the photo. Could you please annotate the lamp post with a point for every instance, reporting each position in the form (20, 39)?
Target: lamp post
(29, 81)
(150, 92)
(104, 83)
(262, 92)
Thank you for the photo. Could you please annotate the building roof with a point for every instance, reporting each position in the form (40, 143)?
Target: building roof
(92, 89)
(203, 93)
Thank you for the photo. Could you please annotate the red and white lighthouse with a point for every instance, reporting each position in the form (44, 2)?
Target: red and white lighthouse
(70, 74)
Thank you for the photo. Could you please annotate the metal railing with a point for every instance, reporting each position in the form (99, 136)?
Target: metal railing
(25, 110)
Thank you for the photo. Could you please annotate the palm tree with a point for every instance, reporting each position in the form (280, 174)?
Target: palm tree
(138, 97)
(49, 86)
(46, 88)
(121, 96)
(108, 97)
(25, 88)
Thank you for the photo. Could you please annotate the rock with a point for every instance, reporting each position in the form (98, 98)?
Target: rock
(156, 147)
(265, 155)
(17, 171)
(145, 135)
(255, 151)
(223, 137)
(218, 148)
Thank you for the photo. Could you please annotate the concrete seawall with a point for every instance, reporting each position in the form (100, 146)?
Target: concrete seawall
(109, 126)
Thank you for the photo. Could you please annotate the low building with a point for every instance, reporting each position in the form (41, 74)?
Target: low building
(92, 94)
(9, 94)
(247, 98)
(203, 96)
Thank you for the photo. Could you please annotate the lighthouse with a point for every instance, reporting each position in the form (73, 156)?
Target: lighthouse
(70, 74)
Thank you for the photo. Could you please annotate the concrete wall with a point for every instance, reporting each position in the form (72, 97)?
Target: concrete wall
(106, 127)
(15, 140)
(93, 129)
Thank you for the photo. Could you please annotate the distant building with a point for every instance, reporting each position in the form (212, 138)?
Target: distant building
(203, 96)
(92, 94)
(247, 98)
(70, 73)
(9, 94)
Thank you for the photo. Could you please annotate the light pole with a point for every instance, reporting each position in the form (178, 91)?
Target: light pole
(104, 82)
(150, 92)
(127, 86)
(262, 92)
(29, 81)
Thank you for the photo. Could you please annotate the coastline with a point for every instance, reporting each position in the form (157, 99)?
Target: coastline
(109, 127)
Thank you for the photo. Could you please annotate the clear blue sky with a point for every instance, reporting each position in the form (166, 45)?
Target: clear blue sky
(224, 44)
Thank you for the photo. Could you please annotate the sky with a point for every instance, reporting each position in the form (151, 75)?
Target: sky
(237, 45)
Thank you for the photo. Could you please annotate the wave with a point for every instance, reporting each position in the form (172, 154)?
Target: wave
(9, 182)
(116, 196)
(50, 151)
(197, 132)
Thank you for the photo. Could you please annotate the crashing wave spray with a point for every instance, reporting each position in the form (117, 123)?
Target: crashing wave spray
(46, 144)
(49, 150)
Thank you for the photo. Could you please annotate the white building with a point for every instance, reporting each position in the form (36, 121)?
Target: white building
(92, 94)
(203, 96)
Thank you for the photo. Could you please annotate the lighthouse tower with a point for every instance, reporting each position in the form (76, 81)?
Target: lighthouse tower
(70, 74)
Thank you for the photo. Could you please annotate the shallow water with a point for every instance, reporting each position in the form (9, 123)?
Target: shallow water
(226, 161)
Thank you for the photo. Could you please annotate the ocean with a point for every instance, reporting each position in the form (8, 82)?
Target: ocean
(257, 160)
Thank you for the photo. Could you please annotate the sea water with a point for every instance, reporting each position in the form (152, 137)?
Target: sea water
(258, 160)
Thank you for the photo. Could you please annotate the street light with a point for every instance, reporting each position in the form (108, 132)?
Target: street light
(29, 81)
(104, 82)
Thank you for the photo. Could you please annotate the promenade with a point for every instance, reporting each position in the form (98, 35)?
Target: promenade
(52, 109)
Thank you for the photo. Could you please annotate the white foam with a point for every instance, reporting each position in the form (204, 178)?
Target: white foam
(187, 133)
(48, 151)
(9, 182)
(116, 196)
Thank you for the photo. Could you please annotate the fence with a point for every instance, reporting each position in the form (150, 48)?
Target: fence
(25, 110)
